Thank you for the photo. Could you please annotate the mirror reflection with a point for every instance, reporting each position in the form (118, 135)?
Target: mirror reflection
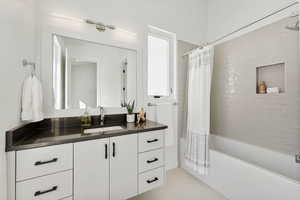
(87, 74)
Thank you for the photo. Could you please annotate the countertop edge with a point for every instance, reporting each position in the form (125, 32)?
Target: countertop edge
(10, 148)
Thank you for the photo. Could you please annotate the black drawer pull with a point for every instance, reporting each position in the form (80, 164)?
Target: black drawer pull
(106, 152)
(152, 180)
(114, 149)
(38, 193)
(153, 160)
(45, 162)
(151, 141)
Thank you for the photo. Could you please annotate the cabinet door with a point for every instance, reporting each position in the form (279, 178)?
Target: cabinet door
(123, 167)
(91, 170)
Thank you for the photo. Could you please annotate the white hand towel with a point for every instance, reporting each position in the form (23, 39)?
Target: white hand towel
(32, 100)
(37, 100)
(26, 114)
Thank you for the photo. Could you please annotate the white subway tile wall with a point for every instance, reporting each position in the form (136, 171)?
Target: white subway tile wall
(271, 121)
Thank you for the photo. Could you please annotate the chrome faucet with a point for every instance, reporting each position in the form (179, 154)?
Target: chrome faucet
(102, 115)
(298, 158)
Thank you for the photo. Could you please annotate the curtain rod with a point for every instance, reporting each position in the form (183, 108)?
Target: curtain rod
(243, 27)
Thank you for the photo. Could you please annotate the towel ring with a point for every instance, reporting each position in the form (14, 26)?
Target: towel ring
(26, 63)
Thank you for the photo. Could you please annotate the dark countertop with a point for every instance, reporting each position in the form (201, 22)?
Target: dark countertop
(68, 130)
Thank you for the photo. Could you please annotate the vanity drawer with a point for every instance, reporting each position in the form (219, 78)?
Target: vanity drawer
(151, 180)
(42, 161)
(151, 140)
(151, 160)
(54, 187)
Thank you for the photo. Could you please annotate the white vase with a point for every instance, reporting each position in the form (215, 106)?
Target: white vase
(130, 118)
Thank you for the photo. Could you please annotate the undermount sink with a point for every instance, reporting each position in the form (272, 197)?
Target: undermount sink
(102, 129)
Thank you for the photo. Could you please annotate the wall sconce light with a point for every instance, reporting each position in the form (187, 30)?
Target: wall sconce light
(100, 26)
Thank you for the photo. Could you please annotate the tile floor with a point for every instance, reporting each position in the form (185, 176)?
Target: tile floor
(181, 186)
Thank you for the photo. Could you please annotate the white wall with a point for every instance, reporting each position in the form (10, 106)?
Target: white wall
(234, 88)
(186, 18)
(227, 16)
(17, 42)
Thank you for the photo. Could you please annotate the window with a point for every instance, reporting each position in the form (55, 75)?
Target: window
(161, 65)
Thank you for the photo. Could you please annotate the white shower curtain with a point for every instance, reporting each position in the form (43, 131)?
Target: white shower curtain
(198, 116)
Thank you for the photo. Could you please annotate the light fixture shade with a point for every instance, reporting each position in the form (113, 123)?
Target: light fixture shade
(112, 27)
(100, 28)
(88, 21)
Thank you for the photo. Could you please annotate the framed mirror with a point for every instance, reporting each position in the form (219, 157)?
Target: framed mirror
(88, 74)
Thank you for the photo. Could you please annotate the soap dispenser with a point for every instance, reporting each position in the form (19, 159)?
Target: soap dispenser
(86, 119)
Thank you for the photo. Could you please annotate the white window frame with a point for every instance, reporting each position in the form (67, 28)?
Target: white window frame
(171, 37)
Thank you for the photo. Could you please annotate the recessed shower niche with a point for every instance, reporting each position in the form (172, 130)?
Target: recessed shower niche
(273, 76)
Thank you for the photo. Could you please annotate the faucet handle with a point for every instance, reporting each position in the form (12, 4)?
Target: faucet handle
(101, 108)
(101, 113)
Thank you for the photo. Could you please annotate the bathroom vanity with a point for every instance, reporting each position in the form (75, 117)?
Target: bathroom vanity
(53, 159)
(110, 160)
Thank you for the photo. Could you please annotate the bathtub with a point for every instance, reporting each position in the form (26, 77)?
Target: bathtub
(243, 171)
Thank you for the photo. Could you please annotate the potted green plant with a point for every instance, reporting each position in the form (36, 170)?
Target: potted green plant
(130, 108)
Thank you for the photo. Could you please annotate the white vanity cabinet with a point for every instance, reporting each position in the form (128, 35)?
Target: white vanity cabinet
(123, 167)
(42, 173)
(106, 168)
(43, 161)
(114, 168)
(151, 160)
(55, 186)
(91, 169)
